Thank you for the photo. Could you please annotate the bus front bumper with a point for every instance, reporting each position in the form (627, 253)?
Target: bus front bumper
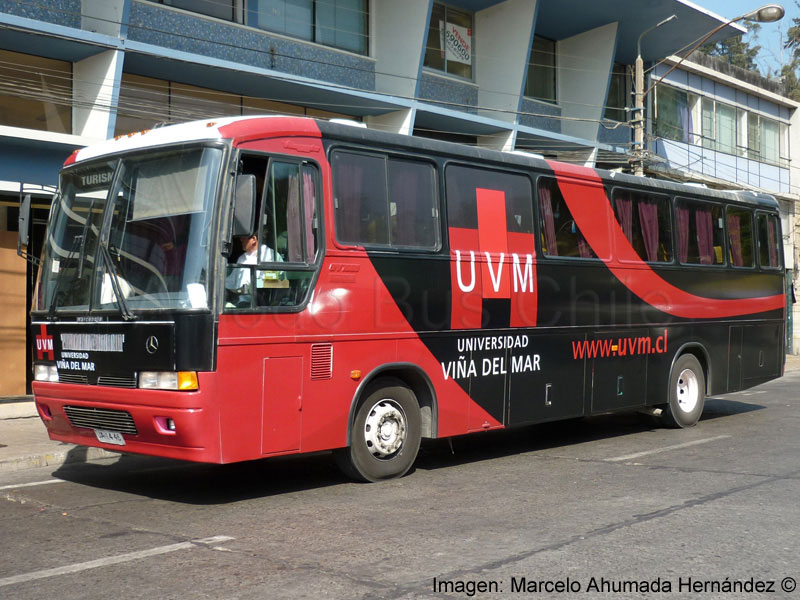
(170, 424)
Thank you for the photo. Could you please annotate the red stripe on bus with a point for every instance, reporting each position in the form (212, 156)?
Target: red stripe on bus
(248, 130)
(593, 214)
(493, 240)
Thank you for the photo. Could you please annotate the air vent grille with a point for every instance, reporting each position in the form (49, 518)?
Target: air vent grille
(123, 382)
(321, 361)
(101, 418)
(72, 378)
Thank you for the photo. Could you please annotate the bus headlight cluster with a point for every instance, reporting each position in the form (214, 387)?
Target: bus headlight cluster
(168, 380)
(45, 373)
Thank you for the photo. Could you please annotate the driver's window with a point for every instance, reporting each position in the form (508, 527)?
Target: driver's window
(271, 268)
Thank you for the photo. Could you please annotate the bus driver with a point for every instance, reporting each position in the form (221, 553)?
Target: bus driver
(239, 279)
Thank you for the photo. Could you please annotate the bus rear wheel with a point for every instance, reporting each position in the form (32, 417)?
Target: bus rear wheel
(687, 393)
(385, 434)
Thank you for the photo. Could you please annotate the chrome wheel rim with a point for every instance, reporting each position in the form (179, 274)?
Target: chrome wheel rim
(385, 429)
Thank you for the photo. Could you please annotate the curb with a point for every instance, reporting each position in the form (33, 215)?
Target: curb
(74, 454)
(17, 407)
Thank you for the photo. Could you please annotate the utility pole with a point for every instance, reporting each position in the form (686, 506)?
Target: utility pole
(637, 122)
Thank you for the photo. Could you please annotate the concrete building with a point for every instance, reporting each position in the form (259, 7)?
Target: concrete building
(548, 77)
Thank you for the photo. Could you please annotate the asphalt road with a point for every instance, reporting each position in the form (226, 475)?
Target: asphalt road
(607, 507)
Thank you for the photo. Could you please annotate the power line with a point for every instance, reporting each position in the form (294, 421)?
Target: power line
(274, 54)
(172, 111)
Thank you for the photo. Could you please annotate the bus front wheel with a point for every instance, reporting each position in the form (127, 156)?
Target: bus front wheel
(385, 434)
(687, 392)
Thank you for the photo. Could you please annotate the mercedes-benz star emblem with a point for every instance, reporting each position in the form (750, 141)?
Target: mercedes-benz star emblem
(151, 345)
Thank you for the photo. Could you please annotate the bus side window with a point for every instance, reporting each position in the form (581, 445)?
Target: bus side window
(385, 201)
(465, 184)
(768, 247)
(560, 233)
(645, 221)
(740, 236)
(700, 233)
(360, 198)
(413, 209)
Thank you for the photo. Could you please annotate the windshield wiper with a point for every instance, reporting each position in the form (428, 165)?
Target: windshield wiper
(127, 315)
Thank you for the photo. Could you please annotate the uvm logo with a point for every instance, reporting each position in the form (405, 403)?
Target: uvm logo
(44, 345)
(493, 272)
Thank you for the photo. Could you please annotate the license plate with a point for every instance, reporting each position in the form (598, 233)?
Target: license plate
(109, 437)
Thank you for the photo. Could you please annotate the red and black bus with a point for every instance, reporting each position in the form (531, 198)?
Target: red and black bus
(397, 288)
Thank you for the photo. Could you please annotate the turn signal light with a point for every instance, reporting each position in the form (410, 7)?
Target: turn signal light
(187, 380)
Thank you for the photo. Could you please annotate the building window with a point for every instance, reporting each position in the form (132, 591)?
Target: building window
(769, 145)
(35, 92)
(540, 83)
(340, 24)
(672, 114)
(618, 93)
(220, 9)
(726, 128)
(450, 42)
(145, 102)
(708, 123)
(690, 118)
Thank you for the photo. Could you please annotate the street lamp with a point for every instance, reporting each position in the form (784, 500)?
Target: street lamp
(766, 14)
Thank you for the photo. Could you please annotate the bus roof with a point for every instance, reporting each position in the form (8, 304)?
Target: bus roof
(239, 129)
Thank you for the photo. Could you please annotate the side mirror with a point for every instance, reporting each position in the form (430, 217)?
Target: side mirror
(24, 223)
(244, 205)
(23, 236)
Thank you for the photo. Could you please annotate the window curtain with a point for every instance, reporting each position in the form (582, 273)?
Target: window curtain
(546, 206)
(685, 119)
(309, 204)
(648, 218)
(682, 213)
(735, 238)
(403, 192)
(584, 248)
(705, 235)
(773, 243)
(625, 215)
(294, 243)
(349, 184)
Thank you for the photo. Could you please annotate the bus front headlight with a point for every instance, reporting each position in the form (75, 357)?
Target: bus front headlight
(168, 380)
(45, 373)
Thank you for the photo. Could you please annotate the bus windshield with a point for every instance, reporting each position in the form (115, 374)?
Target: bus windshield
(155, 252)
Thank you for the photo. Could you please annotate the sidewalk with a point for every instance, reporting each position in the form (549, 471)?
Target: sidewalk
(24, 443)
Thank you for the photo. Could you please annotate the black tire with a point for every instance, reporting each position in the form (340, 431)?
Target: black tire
(385, 433)
(687, 393)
